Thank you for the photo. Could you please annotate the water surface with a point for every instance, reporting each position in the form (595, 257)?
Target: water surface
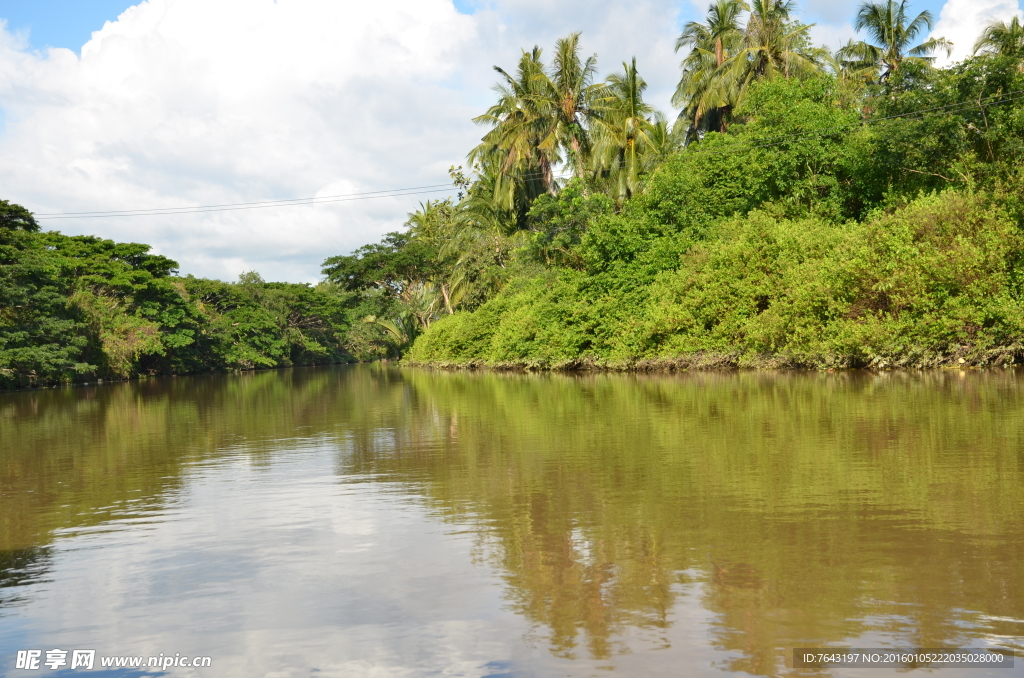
(371, 521)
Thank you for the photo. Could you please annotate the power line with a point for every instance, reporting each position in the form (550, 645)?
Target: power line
(394, 192)
(199, 209)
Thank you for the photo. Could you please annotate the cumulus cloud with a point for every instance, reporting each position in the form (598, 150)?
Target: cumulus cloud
(962, 21)
(185, 102)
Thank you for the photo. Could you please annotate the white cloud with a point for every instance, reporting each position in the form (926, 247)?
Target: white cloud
(961, 21)
(184, 102)
(832, 36)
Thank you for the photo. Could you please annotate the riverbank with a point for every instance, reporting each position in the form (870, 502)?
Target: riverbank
(722, 363)
(829, 228)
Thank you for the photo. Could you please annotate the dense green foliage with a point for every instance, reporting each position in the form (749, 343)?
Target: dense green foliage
(933, 282)
(834, 224)
(82, 308)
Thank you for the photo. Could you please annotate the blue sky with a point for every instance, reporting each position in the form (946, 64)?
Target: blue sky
(69, 23)
(60, 23)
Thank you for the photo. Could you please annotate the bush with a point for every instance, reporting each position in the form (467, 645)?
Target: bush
(934, 282)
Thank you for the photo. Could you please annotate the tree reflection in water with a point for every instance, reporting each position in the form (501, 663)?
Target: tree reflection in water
(796, 509)
(811, 509)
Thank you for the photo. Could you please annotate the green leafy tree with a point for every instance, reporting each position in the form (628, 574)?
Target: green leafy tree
(705, 93)
(16, 217)
(544, 117)
(627, 133)
(892, 33)
(557, 224)
(521, 149)
(725, 58)
(1005, 38)
(774, 45)
(75, 308)
(572, 97)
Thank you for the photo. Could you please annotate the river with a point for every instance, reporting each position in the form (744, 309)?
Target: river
(382, 521)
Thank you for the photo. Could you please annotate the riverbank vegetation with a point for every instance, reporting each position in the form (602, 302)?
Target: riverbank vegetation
(807, 208)
(803, 208)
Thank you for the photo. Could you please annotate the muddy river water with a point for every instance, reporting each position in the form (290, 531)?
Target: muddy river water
(381, 521)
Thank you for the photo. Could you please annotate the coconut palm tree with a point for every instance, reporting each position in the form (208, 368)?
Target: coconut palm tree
(543, 115)
(850, 68)
(436, 222)
(892, 33)
(420, 306)
(726, 58)
(570, 93)
(626, 132)
(543, 118)
(1002, 37)
(702, 93)
(520, 146)
(774, 45)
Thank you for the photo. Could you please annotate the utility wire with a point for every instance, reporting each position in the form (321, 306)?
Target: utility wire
(395, 192)
(198, 209)
(955, 107)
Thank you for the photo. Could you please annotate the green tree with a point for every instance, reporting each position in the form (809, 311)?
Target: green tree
(571, 97)
(775, 45)
(1005, 38)
(705, 93)
(726, 58)
(892, 32)
(627, 132)
(543, 117)
(521, 150)
(851, 69)
(16, 217)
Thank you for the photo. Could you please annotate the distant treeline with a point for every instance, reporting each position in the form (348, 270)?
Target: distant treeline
(80, 308)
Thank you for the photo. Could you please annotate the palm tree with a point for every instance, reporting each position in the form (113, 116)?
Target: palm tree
(774, 45)
(419, 307)
(702, 92)
(570, 93)
(1001, 37)
(470, 237)
(726, 58)
(542, 118)
(850, 68)
(626, 133)
(889, 27)
(436, 223)
(519, 146)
